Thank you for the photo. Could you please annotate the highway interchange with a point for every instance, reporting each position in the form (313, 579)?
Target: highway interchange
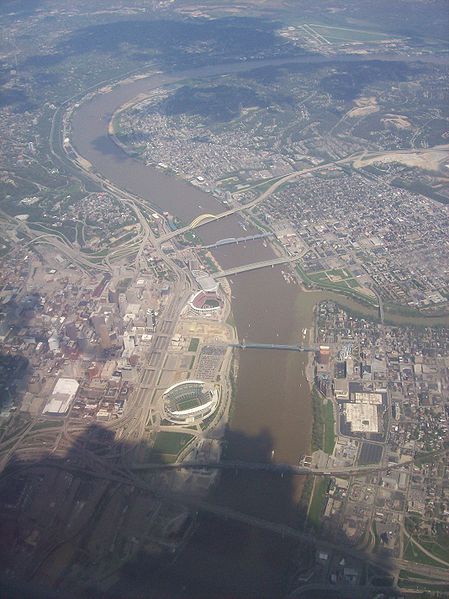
(131, 426)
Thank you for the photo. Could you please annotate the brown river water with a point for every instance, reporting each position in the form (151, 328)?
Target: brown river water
(272, 393)
(271, 414)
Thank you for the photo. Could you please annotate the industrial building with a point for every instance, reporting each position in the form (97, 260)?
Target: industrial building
(205, 281)
(341, 389)
(363, 417)
(62, 396)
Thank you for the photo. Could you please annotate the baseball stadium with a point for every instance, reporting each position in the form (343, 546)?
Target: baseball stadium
(205, 301)
(190, 401)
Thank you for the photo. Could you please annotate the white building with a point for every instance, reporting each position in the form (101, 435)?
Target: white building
(62, 396)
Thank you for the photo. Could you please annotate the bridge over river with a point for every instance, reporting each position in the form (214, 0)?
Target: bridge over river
(236, 240)
(280, 346)
(256, 265)
(282, 469)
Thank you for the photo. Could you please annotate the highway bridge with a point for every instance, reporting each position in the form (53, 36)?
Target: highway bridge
(245, 345)
(282, 469)
(202, 219)
(237, 240)
(227, 513)
(255, 266)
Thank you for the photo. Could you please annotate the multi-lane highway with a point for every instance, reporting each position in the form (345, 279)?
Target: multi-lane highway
(282, 469)
(122, 476)
(132, 425)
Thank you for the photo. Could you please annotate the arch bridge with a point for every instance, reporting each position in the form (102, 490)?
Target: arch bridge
(202, 219)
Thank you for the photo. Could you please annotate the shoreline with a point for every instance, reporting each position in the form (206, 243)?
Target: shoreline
(393, 316)
(319, 294)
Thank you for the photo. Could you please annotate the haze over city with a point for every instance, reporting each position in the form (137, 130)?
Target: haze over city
(224, 299)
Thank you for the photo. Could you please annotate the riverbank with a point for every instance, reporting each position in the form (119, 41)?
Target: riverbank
(271, 413)
(323, 427)
(262, 299)
(361, 310)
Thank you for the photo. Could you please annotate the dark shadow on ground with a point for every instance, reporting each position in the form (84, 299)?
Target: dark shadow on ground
(182, 43)
(346, 80)
(103, 144)
(85, 524)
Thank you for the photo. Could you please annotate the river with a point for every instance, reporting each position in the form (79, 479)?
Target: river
(271, 414)
(265, 307)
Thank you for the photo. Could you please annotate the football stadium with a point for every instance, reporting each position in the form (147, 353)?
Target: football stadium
(190, 401)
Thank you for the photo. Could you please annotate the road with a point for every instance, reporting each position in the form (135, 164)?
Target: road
(275, 346)
(132, 425)
(380, 303)
(197, 222)
(255, 266)
(284, 530)
(235, 240)
(271, 467)
(435, 558)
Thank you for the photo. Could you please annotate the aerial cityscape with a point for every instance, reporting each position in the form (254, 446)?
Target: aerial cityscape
(224, 299)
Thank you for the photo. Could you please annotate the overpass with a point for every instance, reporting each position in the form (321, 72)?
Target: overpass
(245, 345)
(255, 266)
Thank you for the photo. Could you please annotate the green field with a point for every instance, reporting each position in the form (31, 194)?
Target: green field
(193, 345)
(414, 554)
(323, 436)
(347, 286)
(187, 404)
(317, 501)
(407, 574)
(210, 263)
(346, 281)
(424, 458)
(171, 443)
(438, 546)
(410, 580)
(329, 433)
(123, 238)
(116, 124)
(48, 424)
